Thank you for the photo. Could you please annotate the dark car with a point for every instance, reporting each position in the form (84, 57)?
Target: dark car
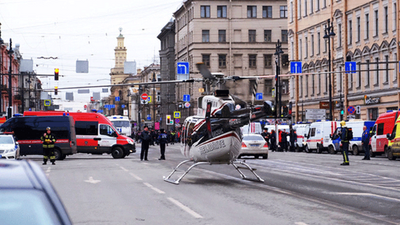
(27, 197)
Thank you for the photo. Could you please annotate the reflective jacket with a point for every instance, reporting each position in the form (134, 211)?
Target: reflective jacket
(48, 141)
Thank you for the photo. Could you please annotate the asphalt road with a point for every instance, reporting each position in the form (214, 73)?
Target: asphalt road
(299, 189)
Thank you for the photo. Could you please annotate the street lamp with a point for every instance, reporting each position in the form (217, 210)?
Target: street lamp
(328, 34)
(278, 53)
(10, 52)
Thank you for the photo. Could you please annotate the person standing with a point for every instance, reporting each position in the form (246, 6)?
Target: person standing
(48, 141)
(146, 139)
(365, 143)
(345, 143)
(162, 139)
(293, 139)
(173, 137)
(272, 140)
(284, 141)
(265, 135)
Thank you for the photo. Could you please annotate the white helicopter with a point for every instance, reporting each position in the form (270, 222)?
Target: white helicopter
(213, 136)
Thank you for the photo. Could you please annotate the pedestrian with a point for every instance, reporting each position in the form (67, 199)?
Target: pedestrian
(146, 139)
(279, 140)
(346, 136)
(293, 139)
(365, 143)
(284, 141)
(163, 140)
(48, 141)
(173, 137)
(265, 135)
(272, 139)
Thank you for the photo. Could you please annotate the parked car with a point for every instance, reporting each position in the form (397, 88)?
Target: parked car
(27, 197)
(319, 136)
(9, 148)
(254, 145)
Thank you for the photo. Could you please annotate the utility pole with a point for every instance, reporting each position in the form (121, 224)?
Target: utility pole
(328, 34)
(10, 52)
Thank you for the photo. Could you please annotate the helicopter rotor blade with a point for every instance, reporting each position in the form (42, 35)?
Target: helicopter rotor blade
(204, 70)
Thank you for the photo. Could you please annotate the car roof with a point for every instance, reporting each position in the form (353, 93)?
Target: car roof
(251, 134)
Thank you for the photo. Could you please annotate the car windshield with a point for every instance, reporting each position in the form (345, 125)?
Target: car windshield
(6, 140)
(22, 206)
(253, 138)
(121, 123)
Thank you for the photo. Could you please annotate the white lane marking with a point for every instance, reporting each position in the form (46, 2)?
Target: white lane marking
(365, 194)
(154, 189)
(92, 181)
(123, 169)
(185, 208)
(300, 223)
(136, 177)
(48, 169)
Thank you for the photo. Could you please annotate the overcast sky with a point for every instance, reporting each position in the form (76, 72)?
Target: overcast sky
(84, 30)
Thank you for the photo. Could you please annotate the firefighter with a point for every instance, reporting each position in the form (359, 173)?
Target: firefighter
(48, 141)
(345, 138)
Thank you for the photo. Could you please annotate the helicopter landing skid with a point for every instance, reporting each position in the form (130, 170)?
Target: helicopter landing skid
(248, 167)
(168, 178)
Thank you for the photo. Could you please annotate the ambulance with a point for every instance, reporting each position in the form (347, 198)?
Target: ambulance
(319, 136)
(384, 125)
(302, 130)
(122, 124)
(95, 134)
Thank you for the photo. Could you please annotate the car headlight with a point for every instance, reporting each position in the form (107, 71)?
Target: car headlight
(130, 142)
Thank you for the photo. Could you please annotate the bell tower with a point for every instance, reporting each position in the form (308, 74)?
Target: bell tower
(120, 52)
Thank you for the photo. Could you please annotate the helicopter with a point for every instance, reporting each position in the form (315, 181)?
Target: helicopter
(213, 136)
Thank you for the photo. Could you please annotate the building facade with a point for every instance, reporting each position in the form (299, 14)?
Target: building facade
(236, 38)
(364, 32)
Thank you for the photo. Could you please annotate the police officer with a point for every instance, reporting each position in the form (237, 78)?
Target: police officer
(162, 139)
(146, 139)
(365, 142)
(48, 141)
(345, 144)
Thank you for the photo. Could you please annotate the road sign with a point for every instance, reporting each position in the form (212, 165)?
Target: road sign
(315, 114)
(47, 102)
(117, 99)
(358, 109)
(259, 96)
(144, 96)
(186, 98)
(149, 99)
(148, 117)
(350, 67)
(182, 67)
(177, 120)
(187, 105)
(295, 67)
(351, 109)
(109, 106)
(177, 114)
(122, 106)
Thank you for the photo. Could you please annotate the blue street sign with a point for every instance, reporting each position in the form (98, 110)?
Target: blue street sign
(148, 117)
(99, 111)
(350, 67)
(351, 109)
(117, 99)
(182, 67)
(259, 96)
(122, 106)
(109, 106)
(295, 67)
(186, 98)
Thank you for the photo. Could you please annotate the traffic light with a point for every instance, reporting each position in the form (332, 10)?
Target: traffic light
(55, 90)
(341, 108)
(56, 71)
(285, 111)
(290, 109)
(168, 119)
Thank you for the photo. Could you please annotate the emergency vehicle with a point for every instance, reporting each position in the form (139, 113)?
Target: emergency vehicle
(122, 124)
(302, 130)
(95, 133)
(319, 136)
(393, 149)
(383, 126)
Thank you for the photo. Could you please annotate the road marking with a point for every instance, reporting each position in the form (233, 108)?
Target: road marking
(48, 169)
(92, 181)
(154, 189)
(185, 208)
(365, 194)
(300, 223)
(123, 169)
(136, 177)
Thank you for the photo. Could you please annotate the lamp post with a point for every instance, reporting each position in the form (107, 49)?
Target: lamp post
(328, 34)
(10, 52)
(278, 53)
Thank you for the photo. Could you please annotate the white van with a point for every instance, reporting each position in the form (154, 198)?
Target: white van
(319, 136)
(122, 124)
(302, 132)
(252, 128)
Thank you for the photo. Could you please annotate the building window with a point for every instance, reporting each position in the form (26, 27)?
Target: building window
(395, 71)
(376, 72)
(205, 11)
(221, 35)
(251, 11)
(206, 59)
(292, 50)
(350, 32)
(222, 61)
(376, 14)
(252, 35)
(358, 29)
(312, 45)
(283, 10)
(367, 78)
(373, 114)
(267, 35)
(386, 20)
(312, 84)
(284, 35)
(367, 26)
(311, 6)
(340, 35)
(387, 69)
(267, 61)
(285, 87)
(317, 6)
(291, 11)
(325, 45)
(221, 11)
(306, 50)
(319, 84)
(359, 76)
(206, 35)
(324, 5)
(252, 61)
(319, 43)
(306, 89)
(326, 81)
(394, 16)
(305, 7)
(301, 86)
(299, 9)
(300, 49)
(267, 11)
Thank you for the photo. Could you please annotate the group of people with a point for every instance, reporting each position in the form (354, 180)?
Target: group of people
(283, 144)
(172, 136)
(346, 135)
(150, 137)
